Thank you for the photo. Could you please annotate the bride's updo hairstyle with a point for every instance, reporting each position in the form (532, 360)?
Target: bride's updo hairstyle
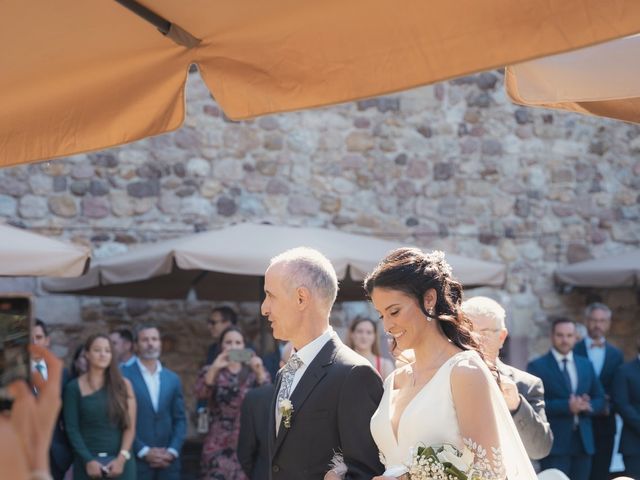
(413, 272)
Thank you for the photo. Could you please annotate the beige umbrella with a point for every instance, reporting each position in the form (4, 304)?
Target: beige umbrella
(85, 75)
(601, 80)
(608, 272)
(26, 254)
(229, 264)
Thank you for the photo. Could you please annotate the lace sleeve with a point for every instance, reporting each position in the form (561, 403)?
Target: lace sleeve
(477, 419)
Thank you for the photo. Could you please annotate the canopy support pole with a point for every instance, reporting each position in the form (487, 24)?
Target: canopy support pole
(168, 29)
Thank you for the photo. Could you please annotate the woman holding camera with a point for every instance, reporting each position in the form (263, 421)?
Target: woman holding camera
(100, 416)
(224, 385)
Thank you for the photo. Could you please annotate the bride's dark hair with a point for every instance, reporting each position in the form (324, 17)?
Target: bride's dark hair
(414, 272)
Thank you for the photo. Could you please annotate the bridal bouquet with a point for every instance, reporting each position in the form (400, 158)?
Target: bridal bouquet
(440, 462)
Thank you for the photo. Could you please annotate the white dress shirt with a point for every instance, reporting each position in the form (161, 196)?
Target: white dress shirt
(153, 382)
(596, 354)
(307, 354)
(571, 367)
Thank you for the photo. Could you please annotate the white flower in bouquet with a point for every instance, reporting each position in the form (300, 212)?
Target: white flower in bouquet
(460, 460)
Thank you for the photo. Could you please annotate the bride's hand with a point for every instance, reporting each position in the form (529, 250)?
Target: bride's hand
(332, 475)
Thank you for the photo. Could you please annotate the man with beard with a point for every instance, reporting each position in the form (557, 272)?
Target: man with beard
(572, 394)
(606, 359)
(160, 421)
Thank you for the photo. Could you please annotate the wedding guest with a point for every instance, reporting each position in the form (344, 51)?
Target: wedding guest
(122, 340)
(605, 359)
(626, 400)
(523, 393)
(253, 452)
(25, 430)
(572, 394)
(224, 384)
(99, 413)
(363, 338)
(161, 424)
(60, 453)
(220, 320)
(79, 363)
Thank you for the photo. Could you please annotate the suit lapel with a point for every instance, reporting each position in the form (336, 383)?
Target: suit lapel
(142, 385)
(608, 357)
(164, 389)
(555, 368)
(581, 349)
(272, 413)
(311, 377)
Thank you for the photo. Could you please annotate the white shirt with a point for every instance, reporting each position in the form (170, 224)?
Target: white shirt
(153, 382)
(596, 354)
(307, 354)
(44, 371)
(571, 367)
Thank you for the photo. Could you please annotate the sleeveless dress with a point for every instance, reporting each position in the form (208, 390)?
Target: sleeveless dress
(90, 431)
(430, 419)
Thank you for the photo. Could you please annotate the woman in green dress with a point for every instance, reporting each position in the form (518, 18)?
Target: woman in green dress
(100, 416)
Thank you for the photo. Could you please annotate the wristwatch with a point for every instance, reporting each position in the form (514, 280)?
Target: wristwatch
(125, 454)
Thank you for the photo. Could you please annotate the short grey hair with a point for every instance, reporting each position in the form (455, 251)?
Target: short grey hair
(592, 307)
(309, 268)
(485, 307)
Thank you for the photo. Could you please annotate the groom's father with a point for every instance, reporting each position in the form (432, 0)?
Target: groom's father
(326, 394)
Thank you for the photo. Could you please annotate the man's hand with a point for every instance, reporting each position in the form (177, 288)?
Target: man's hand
(510, 393)
(158, 458)
(575, 404)
(586, 403)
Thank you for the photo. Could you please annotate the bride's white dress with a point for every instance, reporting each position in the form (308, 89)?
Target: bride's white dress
(430, 418)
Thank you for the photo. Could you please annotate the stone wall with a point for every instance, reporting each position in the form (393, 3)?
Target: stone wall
(453, 166)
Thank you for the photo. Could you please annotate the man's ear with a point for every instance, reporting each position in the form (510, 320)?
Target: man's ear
(303, 297)
(504, 333)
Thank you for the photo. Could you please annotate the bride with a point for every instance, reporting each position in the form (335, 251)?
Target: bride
(448, 395)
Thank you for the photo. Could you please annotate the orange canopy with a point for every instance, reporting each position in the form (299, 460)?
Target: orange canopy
(84, 75)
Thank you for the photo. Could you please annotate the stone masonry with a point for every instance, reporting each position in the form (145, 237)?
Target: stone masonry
(453, 166)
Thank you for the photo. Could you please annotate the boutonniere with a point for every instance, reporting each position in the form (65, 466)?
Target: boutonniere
(286, 410)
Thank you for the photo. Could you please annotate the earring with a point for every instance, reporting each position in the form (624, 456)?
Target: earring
(431, 313)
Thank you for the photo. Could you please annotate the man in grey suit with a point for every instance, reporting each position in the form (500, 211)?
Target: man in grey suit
(326, 393)
(523, 392)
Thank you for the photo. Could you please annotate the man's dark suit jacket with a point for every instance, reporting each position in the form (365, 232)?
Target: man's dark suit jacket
(253, 451)
(530, 417)
(613, 358)
(626, 400)
(165, 428)
(332, 407)
(556, 396)
(604, 425)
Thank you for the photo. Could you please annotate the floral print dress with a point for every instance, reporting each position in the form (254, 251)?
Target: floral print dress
(219, 460)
